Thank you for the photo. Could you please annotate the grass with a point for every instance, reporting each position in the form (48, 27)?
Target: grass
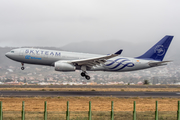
(82, 104)
(96, 115)
(79, 107)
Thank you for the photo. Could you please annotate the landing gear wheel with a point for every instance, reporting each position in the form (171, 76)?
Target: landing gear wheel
(83, 74)
(87, 77)
(22, 68)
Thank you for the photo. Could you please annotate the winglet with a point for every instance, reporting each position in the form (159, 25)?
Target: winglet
(119, 52)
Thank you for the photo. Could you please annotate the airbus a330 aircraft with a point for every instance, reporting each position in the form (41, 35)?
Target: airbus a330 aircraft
(71, 61)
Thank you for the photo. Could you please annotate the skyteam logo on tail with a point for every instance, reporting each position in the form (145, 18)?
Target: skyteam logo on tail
(159, 50)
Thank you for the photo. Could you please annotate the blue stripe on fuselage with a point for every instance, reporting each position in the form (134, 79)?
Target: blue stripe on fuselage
(118, 64)
(114, 61)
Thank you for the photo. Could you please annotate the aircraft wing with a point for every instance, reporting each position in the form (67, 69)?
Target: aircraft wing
(153, 64)
(89, 62)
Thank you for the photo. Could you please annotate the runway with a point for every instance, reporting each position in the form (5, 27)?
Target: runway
(90, 86)
(88, 94)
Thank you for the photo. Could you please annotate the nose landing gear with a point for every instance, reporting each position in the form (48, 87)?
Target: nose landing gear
(22, 68)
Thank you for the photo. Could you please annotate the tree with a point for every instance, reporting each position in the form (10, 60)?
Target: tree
(25, 80)
(8, 80)
(45, 79)
(146, 82)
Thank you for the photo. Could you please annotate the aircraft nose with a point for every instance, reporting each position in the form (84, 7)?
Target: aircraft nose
(7, 54)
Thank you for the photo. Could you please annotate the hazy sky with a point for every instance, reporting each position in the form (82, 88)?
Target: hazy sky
(59, 22)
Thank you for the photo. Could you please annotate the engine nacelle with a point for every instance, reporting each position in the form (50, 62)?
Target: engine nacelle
(64, 67)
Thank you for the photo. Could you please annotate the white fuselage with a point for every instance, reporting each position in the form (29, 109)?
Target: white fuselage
(49, 57)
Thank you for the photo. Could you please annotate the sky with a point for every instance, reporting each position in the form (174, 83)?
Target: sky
(56, 23)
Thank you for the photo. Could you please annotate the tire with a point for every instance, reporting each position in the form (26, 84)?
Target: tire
(83, 74)
(22, 68)
(87, 77)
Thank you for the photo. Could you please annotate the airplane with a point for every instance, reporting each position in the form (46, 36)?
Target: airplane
(70, 61)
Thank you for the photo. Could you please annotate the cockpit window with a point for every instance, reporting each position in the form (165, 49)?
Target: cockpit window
(12, 51)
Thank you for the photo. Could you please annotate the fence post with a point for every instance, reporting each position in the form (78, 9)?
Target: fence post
(178, 112)
(90, 110)
(112, 110)
(67, 112)
(134, 112)
(23, 112)
(1, 112)
(156, 112)
(45, 110)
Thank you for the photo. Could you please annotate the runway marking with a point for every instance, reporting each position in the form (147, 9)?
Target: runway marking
(178, 93)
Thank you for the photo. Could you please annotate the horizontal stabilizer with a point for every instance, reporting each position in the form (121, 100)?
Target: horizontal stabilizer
(153, 64)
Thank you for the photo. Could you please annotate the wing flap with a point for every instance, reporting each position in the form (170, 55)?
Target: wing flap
(96, 61)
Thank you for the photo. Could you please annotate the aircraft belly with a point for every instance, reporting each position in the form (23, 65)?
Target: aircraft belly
(99, 68)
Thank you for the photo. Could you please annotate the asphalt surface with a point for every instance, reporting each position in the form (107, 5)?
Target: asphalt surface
(89, 86)
(87, 93)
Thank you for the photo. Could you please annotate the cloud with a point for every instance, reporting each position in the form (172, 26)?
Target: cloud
(59, 22)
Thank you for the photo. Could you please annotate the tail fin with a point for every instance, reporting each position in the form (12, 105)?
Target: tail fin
(158, 51)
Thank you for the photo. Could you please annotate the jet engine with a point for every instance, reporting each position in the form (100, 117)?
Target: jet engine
(64, 67)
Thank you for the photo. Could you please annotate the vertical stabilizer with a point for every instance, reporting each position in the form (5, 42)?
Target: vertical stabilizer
(158, 51)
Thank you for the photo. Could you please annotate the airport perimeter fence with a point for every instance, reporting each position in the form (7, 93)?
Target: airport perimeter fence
(90, 115)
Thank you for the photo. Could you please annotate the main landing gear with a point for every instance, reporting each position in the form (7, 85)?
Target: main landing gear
(22, 68)
(83, 74)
